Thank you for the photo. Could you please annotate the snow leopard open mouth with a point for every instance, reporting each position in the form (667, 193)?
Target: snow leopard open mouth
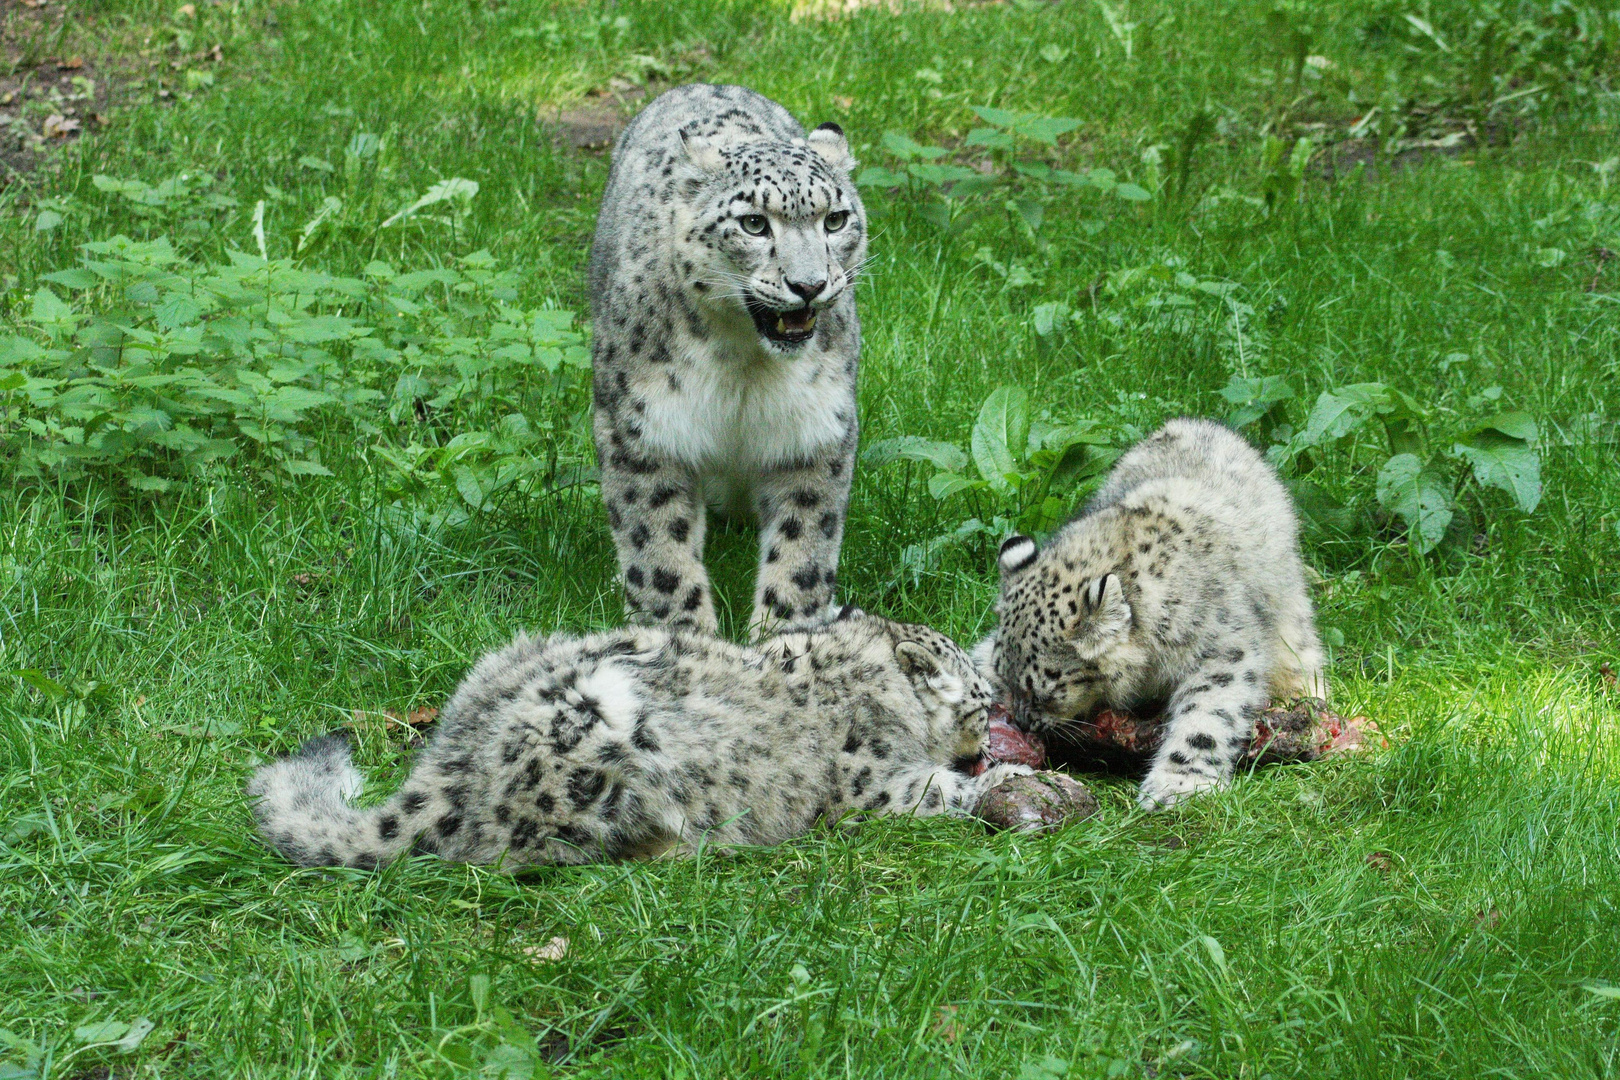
(792, 327)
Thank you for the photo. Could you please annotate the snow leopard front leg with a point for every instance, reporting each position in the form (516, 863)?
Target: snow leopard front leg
(1210, 723)
(801, 510)
(926, 790)
(656, 512)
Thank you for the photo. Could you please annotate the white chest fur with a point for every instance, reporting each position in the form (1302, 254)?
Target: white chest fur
(738, 409)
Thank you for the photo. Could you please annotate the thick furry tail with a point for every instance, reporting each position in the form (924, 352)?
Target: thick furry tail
(302, 803)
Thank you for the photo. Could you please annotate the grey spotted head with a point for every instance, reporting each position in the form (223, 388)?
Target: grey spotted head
(955, 695)
(1057, 628)
(773, 230)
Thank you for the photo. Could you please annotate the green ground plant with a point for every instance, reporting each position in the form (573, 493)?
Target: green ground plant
(294, 426)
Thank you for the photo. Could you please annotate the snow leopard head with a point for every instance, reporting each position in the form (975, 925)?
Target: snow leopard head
(773, 232)
(957, 698)
(1059, 626)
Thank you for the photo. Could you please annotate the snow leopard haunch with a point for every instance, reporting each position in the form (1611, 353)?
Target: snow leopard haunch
(725, 347)
(644, 740)
(1180, 584)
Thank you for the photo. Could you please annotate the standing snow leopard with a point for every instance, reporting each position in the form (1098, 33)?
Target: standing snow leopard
(725, 348)
(1181, 583)
(636, 741)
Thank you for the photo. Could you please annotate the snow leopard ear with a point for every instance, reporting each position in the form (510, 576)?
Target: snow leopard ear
(1104, 617)
(925, 670)
(1016, 553)
(828, 141)
(702, 153)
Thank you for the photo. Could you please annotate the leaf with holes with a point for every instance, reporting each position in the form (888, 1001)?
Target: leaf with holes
(1420, 496)
(1502, 456)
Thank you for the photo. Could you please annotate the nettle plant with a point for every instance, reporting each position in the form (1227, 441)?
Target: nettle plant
(160, 371)
(948, 194)
(1030, 472)
(1433, 470)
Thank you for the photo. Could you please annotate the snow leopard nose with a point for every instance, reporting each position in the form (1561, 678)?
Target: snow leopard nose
(807, 290)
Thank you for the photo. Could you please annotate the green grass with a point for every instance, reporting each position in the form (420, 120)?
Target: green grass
(1450, 907)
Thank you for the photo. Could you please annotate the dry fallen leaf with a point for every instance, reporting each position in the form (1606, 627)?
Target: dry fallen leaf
(555, 949)
(35, 3)
(945, 1023)
(8, 97)
(58, 126)
(72, 63)
(1487, 920)
(1608, 675)
(843, 102)
(188, 10)
(1380, 861)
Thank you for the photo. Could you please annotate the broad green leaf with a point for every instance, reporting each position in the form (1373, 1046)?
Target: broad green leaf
(102, 1031)
(1515, 425)
(455, 189)
(941, 455)
(1254, 398)
(1420, 496)
(1341, 412)
(1001, 434)
(999, 117)
(77, 278)
(47, 220)
(1046, 129)
(1132, 192)
(1599, 988)
(908, 149)
(942, 174)
(304, 467)
(1050, 318)
(989, 138)
(943, 485)
(878, 176)
(139, 1029)
(41, 682)
(1504, 461)
(49, 309)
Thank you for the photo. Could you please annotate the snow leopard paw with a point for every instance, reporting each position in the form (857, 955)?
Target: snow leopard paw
(1163, 789)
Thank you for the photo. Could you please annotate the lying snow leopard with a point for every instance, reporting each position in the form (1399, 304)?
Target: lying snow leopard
(637, 741)
(1180, 583)
(725, 348)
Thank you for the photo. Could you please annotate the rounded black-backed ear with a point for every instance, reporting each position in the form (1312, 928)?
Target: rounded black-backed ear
(849, 611)
(1016, 553)
(828, 141)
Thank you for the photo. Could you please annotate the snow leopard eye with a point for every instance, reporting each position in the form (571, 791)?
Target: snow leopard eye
(835, 220)
(754, 224)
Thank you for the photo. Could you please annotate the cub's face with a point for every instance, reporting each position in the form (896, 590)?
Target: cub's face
(1057, 627)
(956, 696)
(775, 231)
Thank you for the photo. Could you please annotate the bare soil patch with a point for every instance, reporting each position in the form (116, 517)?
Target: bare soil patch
(49, 95)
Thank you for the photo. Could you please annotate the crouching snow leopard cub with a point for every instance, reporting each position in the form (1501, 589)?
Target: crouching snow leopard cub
(636, 741)
(725, 346)
(1180, 583)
